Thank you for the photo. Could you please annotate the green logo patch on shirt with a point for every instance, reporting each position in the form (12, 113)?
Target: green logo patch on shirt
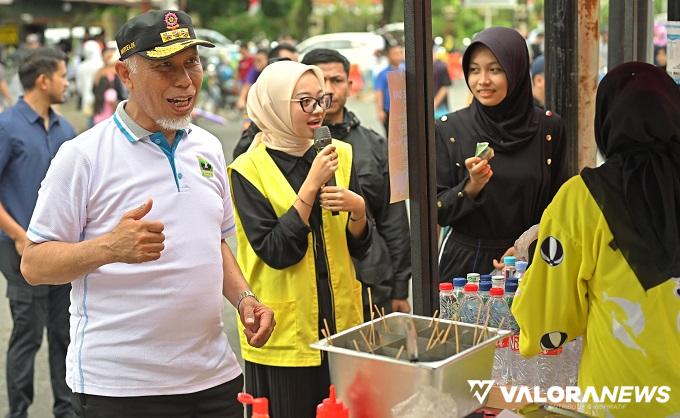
(205, 166)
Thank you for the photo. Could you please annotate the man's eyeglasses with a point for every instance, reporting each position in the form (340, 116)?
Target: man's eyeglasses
(308, 103)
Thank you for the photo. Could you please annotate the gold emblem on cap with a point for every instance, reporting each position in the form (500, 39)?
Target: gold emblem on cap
(164, 51)
(182, 33)
(171, 21)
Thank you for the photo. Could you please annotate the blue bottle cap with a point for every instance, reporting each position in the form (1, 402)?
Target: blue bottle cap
(459, 281)
(509, 260)
(485, 278)
(485, 285)
(521, 265)
(510, 286)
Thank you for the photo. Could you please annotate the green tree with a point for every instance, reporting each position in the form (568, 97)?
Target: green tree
(299, 18)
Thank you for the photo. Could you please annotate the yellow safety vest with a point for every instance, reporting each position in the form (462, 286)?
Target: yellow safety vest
(291, 292)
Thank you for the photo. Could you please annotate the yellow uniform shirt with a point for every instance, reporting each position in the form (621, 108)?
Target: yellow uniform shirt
(579, 284)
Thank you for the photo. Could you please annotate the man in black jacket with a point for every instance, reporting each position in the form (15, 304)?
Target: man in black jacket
(386, 269)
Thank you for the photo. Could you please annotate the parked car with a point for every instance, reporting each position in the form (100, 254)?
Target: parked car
(358, 47)
(225, 49)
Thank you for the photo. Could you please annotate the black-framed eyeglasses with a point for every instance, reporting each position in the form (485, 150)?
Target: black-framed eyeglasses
(308, 103)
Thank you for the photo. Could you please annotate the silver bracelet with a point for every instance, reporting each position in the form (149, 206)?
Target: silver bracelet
(245, 294)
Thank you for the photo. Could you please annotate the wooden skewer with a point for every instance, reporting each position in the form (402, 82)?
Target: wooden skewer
(446, 334)
(356, 346)
(455, 327)
(384, 321)
(361, 332)
(435, 331)
(486, 324)
(479, 312)
(328, 331)
(436, 315)
(370, 303)
(323, 332)
(401, 350)
(381, 316)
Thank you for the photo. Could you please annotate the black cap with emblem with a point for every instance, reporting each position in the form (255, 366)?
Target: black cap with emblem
(157, 35)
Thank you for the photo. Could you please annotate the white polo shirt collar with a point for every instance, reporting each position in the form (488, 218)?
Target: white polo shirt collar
(134, 131)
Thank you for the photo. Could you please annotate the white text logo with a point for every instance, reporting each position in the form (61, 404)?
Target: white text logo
(480, 388)
(573, 394)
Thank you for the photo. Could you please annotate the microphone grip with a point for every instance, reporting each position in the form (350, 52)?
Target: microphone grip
(331, 182)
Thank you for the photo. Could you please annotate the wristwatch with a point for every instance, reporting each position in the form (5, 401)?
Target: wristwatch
(245, 294)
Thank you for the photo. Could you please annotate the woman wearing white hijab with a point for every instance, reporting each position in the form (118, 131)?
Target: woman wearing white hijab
(296, 236)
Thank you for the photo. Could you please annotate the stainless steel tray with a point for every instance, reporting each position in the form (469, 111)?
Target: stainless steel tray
(371, 383)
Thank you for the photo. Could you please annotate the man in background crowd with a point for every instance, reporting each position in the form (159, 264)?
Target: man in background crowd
(32, 132)
(538, 81)
(395, 58)
(386, 268)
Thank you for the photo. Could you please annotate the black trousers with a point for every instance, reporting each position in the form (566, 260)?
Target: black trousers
(217, 402)
(461, 255)
(293, 392)
(32, 312)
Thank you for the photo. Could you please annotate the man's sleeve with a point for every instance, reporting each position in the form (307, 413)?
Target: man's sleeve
(5, 149)
(60, 212)
(551, 305)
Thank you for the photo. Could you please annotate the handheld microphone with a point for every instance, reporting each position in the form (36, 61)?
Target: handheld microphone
(322, 138)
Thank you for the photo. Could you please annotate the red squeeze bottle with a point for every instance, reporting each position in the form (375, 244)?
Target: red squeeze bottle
(331, 408)
(260, 405)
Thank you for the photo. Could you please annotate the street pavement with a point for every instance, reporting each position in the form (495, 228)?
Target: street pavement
(228, 134)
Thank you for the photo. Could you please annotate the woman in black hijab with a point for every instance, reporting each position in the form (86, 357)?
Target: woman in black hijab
(637, 128)
(608, 262)
(489, 204)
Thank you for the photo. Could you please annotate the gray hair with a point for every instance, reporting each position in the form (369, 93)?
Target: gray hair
(132, 63)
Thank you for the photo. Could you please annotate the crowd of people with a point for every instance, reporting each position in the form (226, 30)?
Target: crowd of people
(114, 240)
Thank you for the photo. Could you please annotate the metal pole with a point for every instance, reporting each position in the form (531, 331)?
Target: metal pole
(588, 57)
(561, 60)
(630, 31)
(421, 154)
(674, 10)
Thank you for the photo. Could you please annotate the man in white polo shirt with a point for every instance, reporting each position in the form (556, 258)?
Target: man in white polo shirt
(134, 213)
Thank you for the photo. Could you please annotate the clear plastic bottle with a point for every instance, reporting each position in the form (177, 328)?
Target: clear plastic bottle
(470, 306)
(522, 369)
(572, 360)
(498, 281)
(447, 301)
(484, 288)
(458, 285)
(499, 316)
(520, 269)
(509, 268)
(473, 278)
(549, 368)
(510, 290)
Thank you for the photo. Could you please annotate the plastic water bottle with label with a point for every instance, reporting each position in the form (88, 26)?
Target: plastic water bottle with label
(471, 305)
(499, 317)
(484, 291)
(509, 268)
(458, 284)
(550, 368)
(520, 269)
(572, 360)
(473, 278)
(497, 281)
(448, 304)
(522, 369)
(510, 289)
